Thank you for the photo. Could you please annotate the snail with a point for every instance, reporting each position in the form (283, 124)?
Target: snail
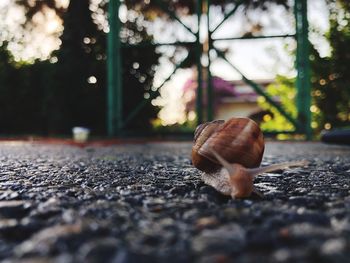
(229, 155)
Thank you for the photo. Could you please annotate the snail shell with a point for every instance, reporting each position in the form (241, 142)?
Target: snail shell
(238, 140)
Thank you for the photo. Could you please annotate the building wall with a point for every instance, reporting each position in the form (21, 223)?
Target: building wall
(236, 109)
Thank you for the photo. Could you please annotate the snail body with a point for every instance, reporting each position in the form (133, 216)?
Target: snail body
(229, 155)
(235, 180)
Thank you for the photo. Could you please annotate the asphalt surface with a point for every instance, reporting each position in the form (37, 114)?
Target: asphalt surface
(147, 203)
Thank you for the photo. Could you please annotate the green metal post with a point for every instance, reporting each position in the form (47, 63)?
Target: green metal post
(210, 92)
(303, 67)
(114, 92)
(199, 49)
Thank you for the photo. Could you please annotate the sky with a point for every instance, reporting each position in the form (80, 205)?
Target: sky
(257, 59)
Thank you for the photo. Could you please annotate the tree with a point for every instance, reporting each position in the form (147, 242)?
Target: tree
(21, 92)
(331, 79)
(74, 90)
(152, 7)
(77, 96)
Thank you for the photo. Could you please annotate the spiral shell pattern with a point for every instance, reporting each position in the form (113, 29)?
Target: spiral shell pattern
(238, 140)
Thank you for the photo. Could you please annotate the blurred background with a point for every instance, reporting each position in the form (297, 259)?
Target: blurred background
(53, 64)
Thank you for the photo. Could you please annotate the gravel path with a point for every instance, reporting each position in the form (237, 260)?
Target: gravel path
(146, 203)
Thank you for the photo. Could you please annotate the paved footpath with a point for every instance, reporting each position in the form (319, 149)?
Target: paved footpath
(146, 203)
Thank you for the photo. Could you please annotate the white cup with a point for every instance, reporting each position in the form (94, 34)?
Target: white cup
(80, 134)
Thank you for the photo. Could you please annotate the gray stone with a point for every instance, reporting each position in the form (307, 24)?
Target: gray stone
(230, 238)
(99, 250)
(14, 208)
(44, 241)
(334, 246)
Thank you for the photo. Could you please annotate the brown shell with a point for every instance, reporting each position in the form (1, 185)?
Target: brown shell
(238, 140)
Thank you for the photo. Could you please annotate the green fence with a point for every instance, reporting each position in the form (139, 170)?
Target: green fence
(117, 120)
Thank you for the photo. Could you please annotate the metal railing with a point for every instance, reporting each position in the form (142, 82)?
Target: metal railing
(117, 120)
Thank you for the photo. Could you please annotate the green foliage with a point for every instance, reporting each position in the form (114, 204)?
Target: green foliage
(282, 90)
(21, 99)
(330, 106)
(152, 7)
(51, 98)
(331, 78)
(138, 70)
(71, 99)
